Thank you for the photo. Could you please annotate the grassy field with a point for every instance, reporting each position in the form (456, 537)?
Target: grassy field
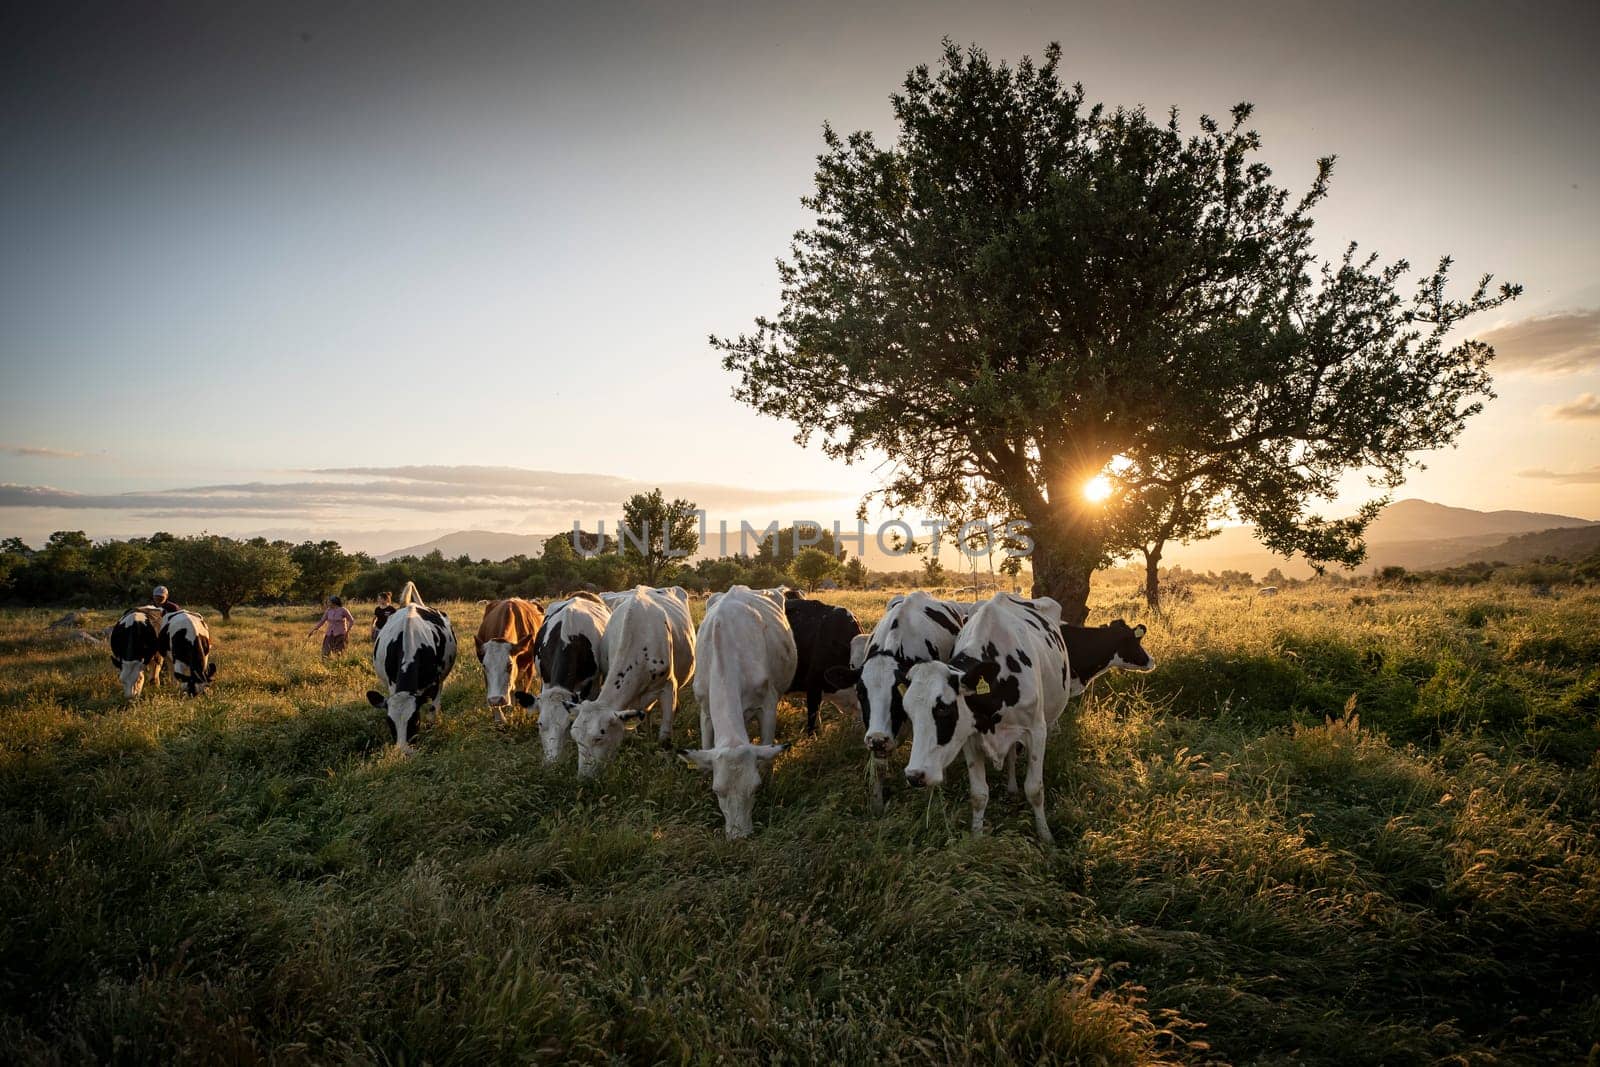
(1341, 826)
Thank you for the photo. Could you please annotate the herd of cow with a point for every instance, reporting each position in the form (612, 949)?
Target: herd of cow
(986, 680)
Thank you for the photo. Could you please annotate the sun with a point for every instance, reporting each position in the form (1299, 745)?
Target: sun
(1096, 489)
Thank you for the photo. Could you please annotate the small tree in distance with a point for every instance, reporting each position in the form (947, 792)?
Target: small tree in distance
(651, 527)
(324, 569)
(812, 566)
(225, 573)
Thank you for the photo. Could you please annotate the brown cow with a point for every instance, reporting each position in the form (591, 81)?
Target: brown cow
(504, 643)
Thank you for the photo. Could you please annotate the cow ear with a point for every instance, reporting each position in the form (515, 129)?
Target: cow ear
(698, 758)
(768, 753)
(841, 677)
(375, 698)
(978, 678)
(527, 700)
(1140, 630)
(631, 717)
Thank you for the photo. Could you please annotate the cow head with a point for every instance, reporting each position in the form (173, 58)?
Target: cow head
(735, 777)
(880, 692)
(598, 732)
(498, 671)
(196, 682)
(131, 673)
(1127, 652)
(402, 713)
(554, 704)
(941, 720)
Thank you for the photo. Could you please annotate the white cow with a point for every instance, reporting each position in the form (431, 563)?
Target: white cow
(649, 655)
(747, 659)
(1007, 682)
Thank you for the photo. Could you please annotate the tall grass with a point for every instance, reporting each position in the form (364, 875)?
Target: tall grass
(1322, 831)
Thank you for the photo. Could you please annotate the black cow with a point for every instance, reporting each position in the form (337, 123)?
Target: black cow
(413, 655)
(186, 642)
(822, 636)
(136, 646)
(1094, 650)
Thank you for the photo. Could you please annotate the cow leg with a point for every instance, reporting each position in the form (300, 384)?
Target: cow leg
(669, 699)
(813, 705)
(977, 781)
(1033, 784)
(707, 732)
(1011, 771)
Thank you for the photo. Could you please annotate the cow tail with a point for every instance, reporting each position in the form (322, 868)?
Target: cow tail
(409, 596)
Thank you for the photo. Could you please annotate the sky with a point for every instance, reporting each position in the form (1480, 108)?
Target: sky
(381, 271)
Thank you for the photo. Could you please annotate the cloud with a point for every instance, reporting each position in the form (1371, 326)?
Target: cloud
(1583, 477)
(1564, 343)
(1587, 406)
(33, 452)
(553, 497)
(598, 490)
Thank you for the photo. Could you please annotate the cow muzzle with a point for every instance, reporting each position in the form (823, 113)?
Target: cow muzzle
(916, 778)
(498, 702)
(880, 743)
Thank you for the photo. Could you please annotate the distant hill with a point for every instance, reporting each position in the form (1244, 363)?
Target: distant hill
(1569, 543)
(1414, 534)
(476, 544)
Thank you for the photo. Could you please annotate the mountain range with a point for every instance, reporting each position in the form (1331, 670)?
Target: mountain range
(1414, 534)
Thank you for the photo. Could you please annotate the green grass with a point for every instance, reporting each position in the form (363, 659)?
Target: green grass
(1252, 866)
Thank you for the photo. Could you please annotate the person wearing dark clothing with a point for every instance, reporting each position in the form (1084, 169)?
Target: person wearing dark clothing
(160, 599)
(381, 613)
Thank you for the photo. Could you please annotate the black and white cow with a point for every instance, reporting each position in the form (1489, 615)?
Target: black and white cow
(186, 643)
(412, 657)
(915, 628)
(570, 650)
(136, 648)
(747, 657)
(1006, 683)
(649, 652)
(822, 638)
(1094, 650)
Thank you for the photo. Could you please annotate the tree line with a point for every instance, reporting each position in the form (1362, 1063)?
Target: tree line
(224, 572)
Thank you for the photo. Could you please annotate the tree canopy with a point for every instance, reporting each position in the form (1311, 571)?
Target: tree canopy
(1025, 287)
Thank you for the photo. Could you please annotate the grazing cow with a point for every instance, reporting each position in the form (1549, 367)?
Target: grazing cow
(412, 657)
(1006, 683)
(505, 646)
(136, 647)
(186, 643)
(822, 637)
(915, 628)
(649, 654)
(570, 650)
(747, 659)
(1267, 590)
(1094, 650)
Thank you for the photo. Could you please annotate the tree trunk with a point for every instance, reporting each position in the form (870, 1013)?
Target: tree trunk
(1152, 579)
(1062, 566)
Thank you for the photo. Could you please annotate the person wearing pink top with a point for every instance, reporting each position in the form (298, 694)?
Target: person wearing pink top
(339, 622)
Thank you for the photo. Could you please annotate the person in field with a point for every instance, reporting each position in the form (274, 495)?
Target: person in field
(381, 613)
(339, 622)
(159, 598)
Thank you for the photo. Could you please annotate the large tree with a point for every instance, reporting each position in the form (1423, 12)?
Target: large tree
(1023, 288)
(654, 533)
